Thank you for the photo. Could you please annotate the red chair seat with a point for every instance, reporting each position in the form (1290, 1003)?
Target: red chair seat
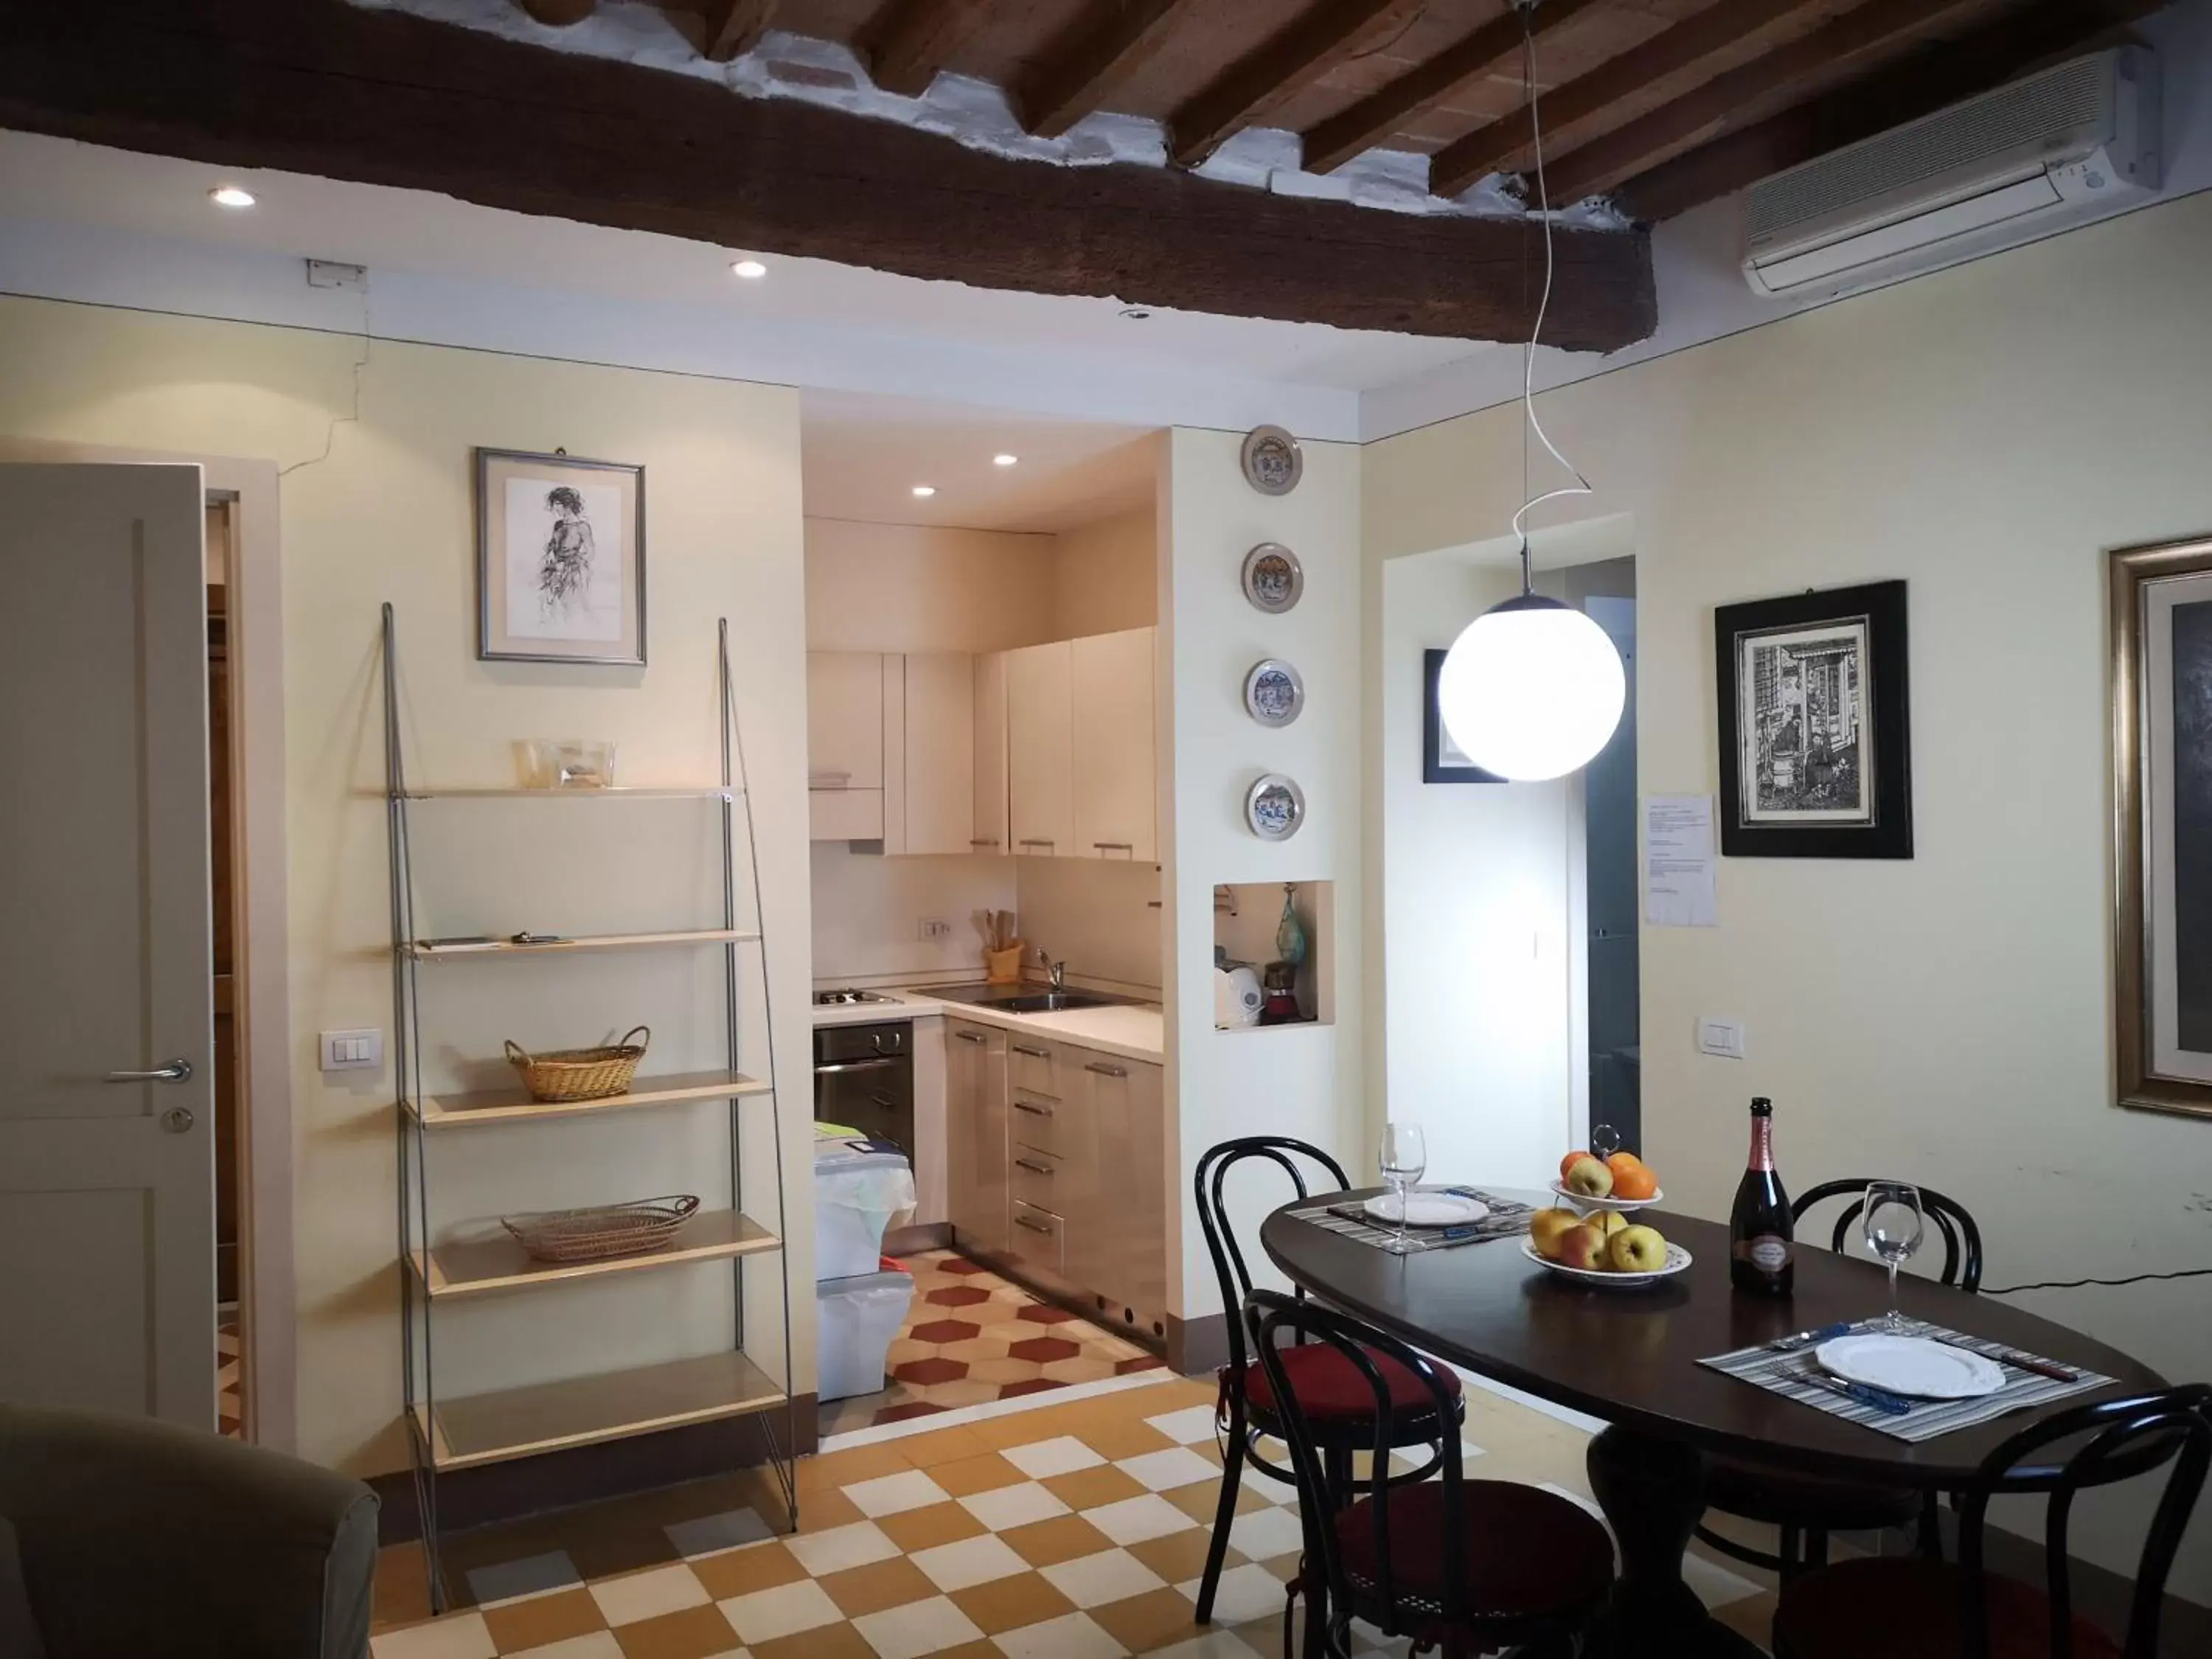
(1905, 1608)
(1527, 1553)
(1329, 1386)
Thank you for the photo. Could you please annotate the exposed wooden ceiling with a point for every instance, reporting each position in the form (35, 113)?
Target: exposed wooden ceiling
(1635, 92)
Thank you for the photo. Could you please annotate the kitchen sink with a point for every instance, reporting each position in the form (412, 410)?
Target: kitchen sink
(1052, 1002)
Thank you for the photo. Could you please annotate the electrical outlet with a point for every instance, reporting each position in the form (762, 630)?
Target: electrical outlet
(352, 1051)
(933, 928)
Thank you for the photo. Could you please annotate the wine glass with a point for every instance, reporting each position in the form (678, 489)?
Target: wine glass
(1894, 1226)
(1404, 1160)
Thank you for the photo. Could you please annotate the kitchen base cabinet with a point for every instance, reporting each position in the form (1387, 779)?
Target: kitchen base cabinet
(976, 1143)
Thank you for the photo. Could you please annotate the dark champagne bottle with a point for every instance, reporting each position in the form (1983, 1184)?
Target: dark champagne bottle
(1762, 1256)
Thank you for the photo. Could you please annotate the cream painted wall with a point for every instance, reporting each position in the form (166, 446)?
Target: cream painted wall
(1097, 915)
(911, 587)
(1106, 575)
(377, 506)
(1986, 434)
(1302, 1080)
(868, 911)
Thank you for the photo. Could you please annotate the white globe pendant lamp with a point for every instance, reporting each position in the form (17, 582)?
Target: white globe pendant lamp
(1533, 689)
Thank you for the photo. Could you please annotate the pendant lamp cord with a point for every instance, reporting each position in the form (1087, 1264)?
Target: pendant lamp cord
(1580, 486)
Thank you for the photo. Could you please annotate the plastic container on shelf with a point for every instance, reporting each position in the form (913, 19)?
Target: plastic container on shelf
(861, 1189)
(855, 1320)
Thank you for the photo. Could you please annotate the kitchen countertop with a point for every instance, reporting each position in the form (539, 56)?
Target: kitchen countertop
(1129, 1030)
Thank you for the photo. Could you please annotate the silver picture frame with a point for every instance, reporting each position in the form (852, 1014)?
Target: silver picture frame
(1272, 462)
(1274, 806)
(1274, 692)
(560, 559)
(1273, 578)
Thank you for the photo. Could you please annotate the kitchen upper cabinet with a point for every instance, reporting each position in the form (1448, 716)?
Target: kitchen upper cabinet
(977, 1153)
(1111, 677)
(939, 737)
(990, 832)
(845, 744)
(1041, 750)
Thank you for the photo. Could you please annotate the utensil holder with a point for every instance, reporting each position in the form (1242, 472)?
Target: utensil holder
(1004, 966)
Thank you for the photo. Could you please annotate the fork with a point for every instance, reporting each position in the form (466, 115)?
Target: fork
(1880, 1399)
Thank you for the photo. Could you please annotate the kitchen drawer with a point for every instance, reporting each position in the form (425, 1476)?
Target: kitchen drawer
(1034, 1068)
(1036, 1179)
(1039, 1239)
(1037, 1123)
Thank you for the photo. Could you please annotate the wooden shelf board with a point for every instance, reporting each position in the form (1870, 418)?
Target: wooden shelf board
(478, 1266)
(689, 792)
(515, 1105)
(588, 942)
(585, 1411)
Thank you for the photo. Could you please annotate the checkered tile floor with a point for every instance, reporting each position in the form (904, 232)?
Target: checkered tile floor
(972, 1337)
(230, 1401)
(1043, 1530)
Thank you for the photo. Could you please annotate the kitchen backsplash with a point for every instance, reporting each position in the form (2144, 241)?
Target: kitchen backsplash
(869, 910)
(1095, 915)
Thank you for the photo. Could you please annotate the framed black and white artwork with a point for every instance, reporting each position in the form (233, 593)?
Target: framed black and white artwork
(2161, 692)
(1443, 761)
(560, 559)
(1815, 738)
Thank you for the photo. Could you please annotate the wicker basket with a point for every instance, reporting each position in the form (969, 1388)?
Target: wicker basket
(581, 1073)
(602, 1231)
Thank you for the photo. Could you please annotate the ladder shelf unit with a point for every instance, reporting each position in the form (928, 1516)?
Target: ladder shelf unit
(447, 1432)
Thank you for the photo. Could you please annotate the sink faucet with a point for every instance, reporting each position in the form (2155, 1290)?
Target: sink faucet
(1054, 971)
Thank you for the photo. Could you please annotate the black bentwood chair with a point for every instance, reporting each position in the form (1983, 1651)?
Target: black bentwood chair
(1808, 1508)
(1907, 1608)
(1333, 1393)
(1465, 1566)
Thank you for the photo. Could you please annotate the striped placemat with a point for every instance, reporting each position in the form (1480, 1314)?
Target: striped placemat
(1349, 1219)
(1771, 1371)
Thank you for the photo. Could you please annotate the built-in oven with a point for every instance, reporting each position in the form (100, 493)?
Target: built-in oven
(864, 1077)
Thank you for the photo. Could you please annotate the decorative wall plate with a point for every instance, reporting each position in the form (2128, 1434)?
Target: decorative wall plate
(1272, 464)
(1273, 693)
(1274, 807)
(1273, 579)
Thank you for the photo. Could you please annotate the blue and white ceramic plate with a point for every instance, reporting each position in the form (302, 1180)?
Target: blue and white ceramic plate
(1272, 578)
(1274, 807)
(1273, 693)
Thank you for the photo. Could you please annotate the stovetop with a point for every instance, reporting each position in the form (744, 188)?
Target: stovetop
(845, 995)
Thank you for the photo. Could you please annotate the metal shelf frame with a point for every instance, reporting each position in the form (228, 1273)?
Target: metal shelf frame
(696, 1381)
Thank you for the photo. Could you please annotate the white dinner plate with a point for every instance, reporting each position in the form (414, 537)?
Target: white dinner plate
(1677, 1261)
(1608, 1203)
(1911, 1365)
(1429, 1209)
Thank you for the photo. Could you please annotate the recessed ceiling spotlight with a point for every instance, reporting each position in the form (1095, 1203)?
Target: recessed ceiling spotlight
(925, 491)
(751, 270)
(1004, 459)
(231, 195)
(1136, 313)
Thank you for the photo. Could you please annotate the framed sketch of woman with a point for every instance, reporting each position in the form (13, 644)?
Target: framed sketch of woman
(560, 559)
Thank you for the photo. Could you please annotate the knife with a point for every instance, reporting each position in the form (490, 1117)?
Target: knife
(2018, 1361)
(1879, 1398)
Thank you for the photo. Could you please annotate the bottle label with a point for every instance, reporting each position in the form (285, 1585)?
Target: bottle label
(1767, 1253)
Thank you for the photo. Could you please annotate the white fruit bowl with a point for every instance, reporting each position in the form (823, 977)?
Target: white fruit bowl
(1585, 1203)
(1677, 1261)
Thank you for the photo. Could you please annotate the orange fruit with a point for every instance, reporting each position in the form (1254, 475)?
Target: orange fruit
(1630, 1180)
(1569, 1161)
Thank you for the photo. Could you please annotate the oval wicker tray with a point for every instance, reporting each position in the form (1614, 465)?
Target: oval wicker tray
(581, 1073)
(602, 1231)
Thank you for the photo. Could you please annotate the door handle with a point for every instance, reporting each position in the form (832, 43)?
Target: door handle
(177, 1071)
(1033, 1169)
(1033, 1111)
(1034, 1226)
(1106, 1070)
(827, 1067)
(971, 1036)
(1034, 1053)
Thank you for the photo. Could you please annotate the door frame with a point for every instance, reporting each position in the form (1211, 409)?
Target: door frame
(268, 1298)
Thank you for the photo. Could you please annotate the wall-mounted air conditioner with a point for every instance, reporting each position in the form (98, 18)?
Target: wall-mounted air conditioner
(2073, 142)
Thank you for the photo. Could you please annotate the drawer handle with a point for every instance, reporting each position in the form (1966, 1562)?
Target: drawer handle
(1114, 846)
(1034, 1226)
(1033, 1111)
(971, 1036)
(992, 842)
(1033, 1169)
(1106, 1070)
(1034, 1053)
(1028, 841)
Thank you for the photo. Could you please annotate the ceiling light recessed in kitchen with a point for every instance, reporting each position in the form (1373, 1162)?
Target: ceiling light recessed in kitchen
(751, 270)
(925, 490)
(1004, 459)
(231, 195)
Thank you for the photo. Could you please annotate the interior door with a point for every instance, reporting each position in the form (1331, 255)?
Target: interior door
(107, 1103)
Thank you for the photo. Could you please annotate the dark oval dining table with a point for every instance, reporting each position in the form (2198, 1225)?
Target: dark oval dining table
(1629, 1357)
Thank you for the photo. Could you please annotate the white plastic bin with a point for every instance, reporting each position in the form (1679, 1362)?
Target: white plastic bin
(855, 1320)
(857, 1193)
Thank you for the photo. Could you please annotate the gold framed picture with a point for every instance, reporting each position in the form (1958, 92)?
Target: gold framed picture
(2161, 674)
(560, 559)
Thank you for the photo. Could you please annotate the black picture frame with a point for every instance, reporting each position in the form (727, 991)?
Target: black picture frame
(1439, 764)
(1850, 687)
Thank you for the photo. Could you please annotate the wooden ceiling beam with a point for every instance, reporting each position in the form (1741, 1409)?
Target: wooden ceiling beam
(1360, 127)
(1936, 75)
(909, 41)
(383, 97)
(1464, 161)
(1111, 43)
(734, 26)
(1277, 69)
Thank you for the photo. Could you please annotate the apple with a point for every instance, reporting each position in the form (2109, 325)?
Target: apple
(1570, 1160)
(1583, 1246)
(1588, 1178)
(1548, 1227)
(1636, 1250)
(1607, 1222)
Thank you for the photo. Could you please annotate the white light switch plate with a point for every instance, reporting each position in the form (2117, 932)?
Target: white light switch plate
(352, 1051)
(935, 928)
(1721, 1038)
